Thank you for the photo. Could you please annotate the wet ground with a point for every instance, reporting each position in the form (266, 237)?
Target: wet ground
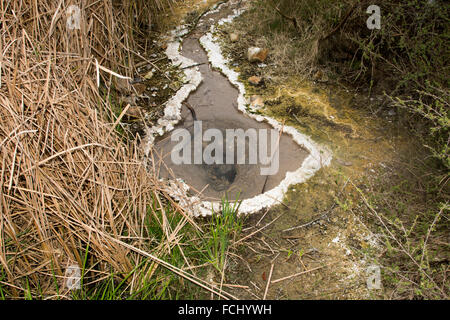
(215, 105)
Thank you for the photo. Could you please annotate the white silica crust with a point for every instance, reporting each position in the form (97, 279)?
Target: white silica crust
(172, 110)
(318, 155)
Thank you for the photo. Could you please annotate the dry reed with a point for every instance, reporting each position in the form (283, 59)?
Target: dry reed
(69, 183)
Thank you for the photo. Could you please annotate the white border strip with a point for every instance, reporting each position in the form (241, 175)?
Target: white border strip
(172, 110)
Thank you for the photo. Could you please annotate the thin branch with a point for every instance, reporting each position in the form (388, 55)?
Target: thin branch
(300, 273)
(396, 240)
(339, 26)
(292, 19)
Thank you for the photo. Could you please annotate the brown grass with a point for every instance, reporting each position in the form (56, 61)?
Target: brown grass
(69, 183)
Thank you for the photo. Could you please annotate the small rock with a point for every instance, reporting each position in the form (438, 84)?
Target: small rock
(149, 75)
(255, 80)
(256, 102)
(255, 54)
(234, 37)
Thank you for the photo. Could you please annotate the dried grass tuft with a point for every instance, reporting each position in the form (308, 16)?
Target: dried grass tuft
(67, 179)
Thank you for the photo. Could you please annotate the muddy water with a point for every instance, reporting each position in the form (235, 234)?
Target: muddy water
(215, 105)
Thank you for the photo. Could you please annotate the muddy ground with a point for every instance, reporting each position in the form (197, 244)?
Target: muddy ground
(320, 241)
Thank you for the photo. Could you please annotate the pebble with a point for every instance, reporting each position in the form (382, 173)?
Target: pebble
(234, 37)
(255, 54)
(149, 75)
(255, 80)
(256, 102)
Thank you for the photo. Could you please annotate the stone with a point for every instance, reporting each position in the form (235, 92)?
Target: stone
(256, 102)
(255, 54)
(234, 37)
(255, 80)
(148, 75)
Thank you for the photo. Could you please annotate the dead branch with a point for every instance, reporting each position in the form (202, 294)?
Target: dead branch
(339, 26)
(292, 19)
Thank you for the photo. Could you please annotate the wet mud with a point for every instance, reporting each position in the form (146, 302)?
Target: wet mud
(215, 105)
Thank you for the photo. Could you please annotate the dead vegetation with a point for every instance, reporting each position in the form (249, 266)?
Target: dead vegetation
(73, 191)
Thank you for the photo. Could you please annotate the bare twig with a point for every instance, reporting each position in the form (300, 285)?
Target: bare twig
(291, 19)
(268, 281)
(300, 273)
